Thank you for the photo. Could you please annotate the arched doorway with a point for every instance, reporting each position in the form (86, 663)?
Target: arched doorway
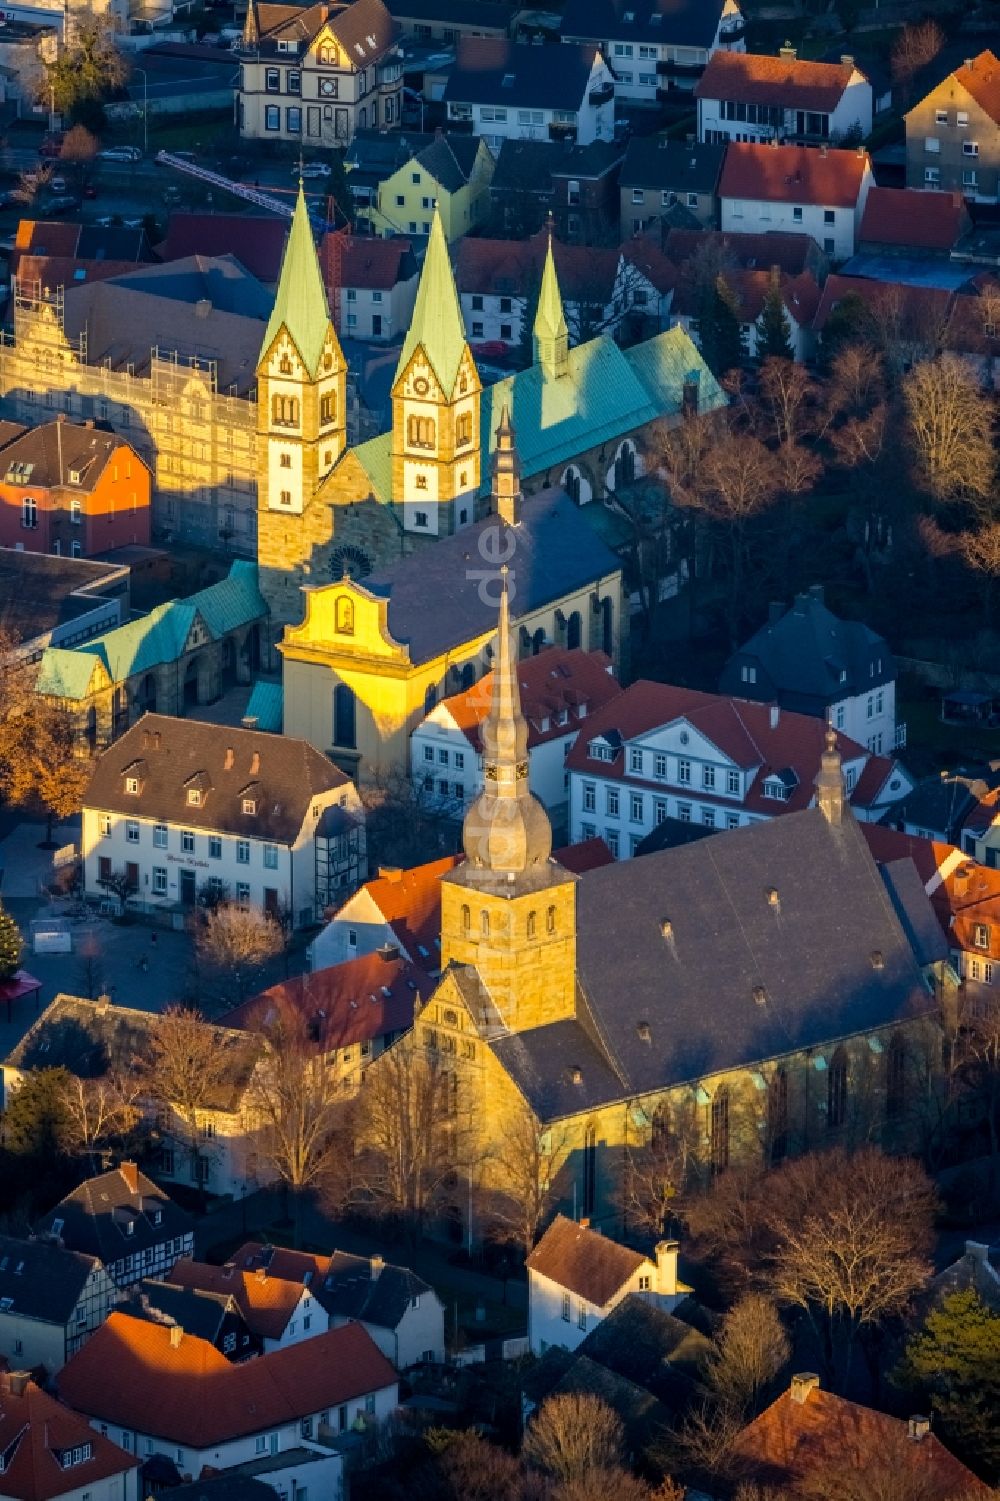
(574, 631)
(537, 642)
(192, 676)
(228, 662)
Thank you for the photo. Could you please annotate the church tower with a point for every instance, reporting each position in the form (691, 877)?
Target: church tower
(505, 492)
(510, 910)
(435, 407)
(550, 336)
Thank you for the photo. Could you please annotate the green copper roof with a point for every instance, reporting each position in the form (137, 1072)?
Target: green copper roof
(375, 458)
(437, 324)
(550, 320)
(664, 362)
(265, 705)
(161, 636)
(300, 303)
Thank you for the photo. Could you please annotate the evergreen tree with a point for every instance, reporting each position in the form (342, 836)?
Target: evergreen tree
(774, 332)
(11, 946)
(955, 1361)
(36, 1122)
(720, 331)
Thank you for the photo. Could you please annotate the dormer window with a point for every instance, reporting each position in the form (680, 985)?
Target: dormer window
(132, 786)
(194, 797)
(601, 751)
(981, 936)
(130, 1227)
(157, 1216)
(250, 805)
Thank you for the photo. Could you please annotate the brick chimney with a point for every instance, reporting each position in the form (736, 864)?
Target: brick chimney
(255, 763)
(176, 1335)
(227, 764)
(376, 1267)
(666, 1267)
(918, 1427)
(801, 1385)
(130, 1173)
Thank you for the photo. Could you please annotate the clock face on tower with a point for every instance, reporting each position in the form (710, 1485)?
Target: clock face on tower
(421, 386)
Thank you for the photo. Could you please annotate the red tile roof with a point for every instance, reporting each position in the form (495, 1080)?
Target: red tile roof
(583, 1261)
(256, 241)
(752, 78)
(363, 262)
(130, 1373)
(64, 271)
(265, 1302)
(792, 1440)
(513, 267)
(349, 1003)
(929, 856)
(554, 681)
(913, 217)
(793, 174)
(800, 294)
(34, 1430)
(981, 78)
(410, 902)
(969, 330)
(919, 307)
(973, 895)
(742, 730)
(643, 252)
(792, 253)
(589, 854)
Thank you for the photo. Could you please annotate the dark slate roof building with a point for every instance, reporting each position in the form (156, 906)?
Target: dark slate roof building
(807, 659)
(683, 23)
(208, 1315)
(519, 75)
(123, 1218)
(349, 1290)
(676, 166)
(41, 1279)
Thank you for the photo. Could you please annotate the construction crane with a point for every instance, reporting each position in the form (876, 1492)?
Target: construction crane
(274, 204)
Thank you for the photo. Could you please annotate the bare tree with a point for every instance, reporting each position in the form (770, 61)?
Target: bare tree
(752, 1349)
(184, 1071)
(31, 183)
(950, 424)
(303, 1117)
(704, 1444)
(739, 482)
(102, 1112)
(236, 941)
(915, 46)
(789, 397)
(522, 1177)
(573, 1434)
(981, 551)
(658, 1171)
(598, 1485)
(862, 1471)
(728, 1228)
(400, 829)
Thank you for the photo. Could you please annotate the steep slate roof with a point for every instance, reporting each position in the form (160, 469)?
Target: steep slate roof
(42, 1280)
(491, 13)
(365, 998)
(129, 1373)
(585, 1262)
(539, 82)
(436, 326)
(55, 449)
(194, 1310)
(644, 1344)
(801, 655)
(161, 636)
(686, 23)
(792, 174)
(35, 1431)
(94, 1216)
(753, 78)
(364, 28)
(656, 162)
(553, 681)
(300, 305)
(557, 553)
(281, 775)
(791, 1440)
(914, 218)
(350, 1288)
(812, 956)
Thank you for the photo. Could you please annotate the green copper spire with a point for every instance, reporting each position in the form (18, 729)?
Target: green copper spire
(551, 337)
(300, 304)
(437, 324)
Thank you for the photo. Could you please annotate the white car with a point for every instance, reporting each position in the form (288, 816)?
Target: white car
(120, 154)
(312, 169)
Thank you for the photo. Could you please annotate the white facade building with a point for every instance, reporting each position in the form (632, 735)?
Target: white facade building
(748, 97)
(656, 48)
(796, 189)
(515, 91)
(399, 909)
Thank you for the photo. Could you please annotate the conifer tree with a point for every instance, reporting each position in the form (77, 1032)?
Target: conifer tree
(774, 332)
(11, 946)
(720, 332)
(954, 1361)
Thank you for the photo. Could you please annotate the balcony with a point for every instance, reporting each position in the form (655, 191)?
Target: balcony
(601, 95)
(562, 130)
(460, 125)
(667, 68)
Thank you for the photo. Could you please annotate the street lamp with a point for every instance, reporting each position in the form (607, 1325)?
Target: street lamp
(145, 109)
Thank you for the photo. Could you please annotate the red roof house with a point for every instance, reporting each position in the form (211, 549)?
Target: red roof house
(50, 1451)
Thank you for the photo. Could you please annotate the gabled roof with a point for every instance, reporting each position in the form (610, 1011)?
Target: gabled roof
(41, 1280)
(436, 326)
(132, 1374)
(265, 1282)
(753, 78)
(792, 1440)
(809, 658)
(195, 1310)
(355, 1287)
(36, 1431)
(518, 267)
(364, 28)
(980, 76)
(531, 165)
(363, 261)
(793, 174)
(553, 682)
(657, 1350)
(791, 253)
(915, 218)
(657, 162)
(410, 903)
(300, 305)
(95, 1217)
(62, 454)
(491, 70)
(285, 776)
(686, 23)
(921, 309)
(258, 240)
(800, 295)
(583, 1261)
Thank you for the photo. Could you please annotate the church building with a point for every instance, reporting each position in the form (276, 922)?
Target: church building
(758, 993)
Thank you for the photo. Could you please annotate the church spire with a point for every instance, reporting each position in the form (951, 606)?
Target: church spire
(506, 495)
(300, 304)
(506, 830)
(550, 335)
(829, 783)
(436, 326)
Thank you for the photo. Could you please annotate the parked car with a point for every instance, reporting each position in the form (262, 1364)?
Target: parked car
(120, 154)
(313, 169)
(57, 184)
(62, 203)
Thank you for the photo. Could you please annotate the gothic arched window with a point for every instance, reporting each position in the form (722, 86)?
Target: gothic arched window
(836, 1090)
(420, 432)
(285, 411)
(531, 924)
(720, 1130)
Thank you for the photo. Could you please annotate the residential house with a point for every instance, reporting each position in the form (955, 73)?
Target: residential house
(452, 171)
(576, 185)
(123, 1219)
(818, 192)
(53, 252)
(211, 1316)
(157, 1390)
(576, 1276)
(808, 1434)
(51, 1300)
(791, 253)
(52, 1454)
(316, 75)
(272, 1290)
(498, 283)
(83, 1036)
(659, 752)
(976, 1270)
(515, 90)
(353, 1010)
(973, 327)
(953, 133)
(908, 320)
(70, 488)
(257, 240)
(560, 689)
(807, 659)
(972, 894)
(645, 286)
(447, 20)
(398, 909)
(745, 96)
(800, 296)
(264, 820)
(655, 47)
(913, 222)
(658, 173)
(371, 284)
(980, 827)
(952, 808)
